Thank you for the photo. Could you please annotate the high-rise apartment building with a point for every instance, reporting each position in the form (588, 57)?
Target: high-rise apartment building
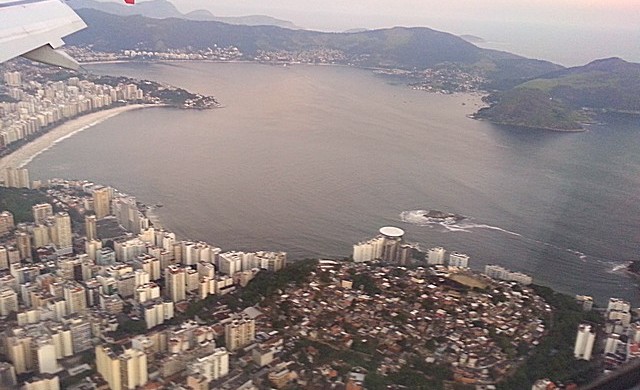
(75, 297)
(584, 342)
(8, 301)
(175, 282)
(368, 250)
(457, 259)
(435, 256)
(6, 222)
(240, 332)
(13, 79)
(4, 258)
(90, 227)
(126, 211)
(17, 178)
(108, 365)
(271, 261)
(45, 355)
(133, 369)
(125, 371)
(8, 378)
(149, 264)
(63, 235)
(42, 382)
(41, 212)
(102, 202)
(23, 243)
(91, 248)
(388, 246)
(41, 236)
(212, 367)
(80, 329)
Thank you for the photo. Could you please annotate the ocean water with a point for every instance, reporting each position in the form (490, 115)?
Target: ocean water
(312, 159)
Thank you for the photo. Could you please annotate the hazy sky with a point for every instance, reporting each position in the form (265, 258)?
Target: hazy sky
(567, 31)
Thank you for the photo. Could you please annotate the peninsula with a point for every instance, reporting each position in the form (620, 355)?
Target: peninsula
(567, 99)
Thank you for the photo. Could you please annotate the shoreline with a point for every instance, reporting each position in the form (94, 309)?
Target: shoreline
(25, 154)
(552, 129)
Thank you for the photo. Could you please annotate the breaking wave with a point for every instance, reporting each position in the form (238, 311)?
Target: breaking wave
(417, 217)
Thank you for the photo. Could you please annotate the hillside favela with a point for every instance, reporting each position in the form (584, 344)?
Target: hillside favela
(247, 202)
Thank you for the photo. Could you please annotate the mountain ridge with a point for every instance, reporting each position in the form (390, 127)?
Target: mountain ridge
(162, 9)
(406, 48)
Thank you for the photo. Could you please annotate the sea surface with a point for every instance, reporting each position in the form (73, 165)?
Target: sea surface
(312, 159)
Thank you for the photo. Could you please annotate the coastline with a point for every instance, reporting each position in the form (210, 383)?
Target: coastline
(23, 156)
(503, 123)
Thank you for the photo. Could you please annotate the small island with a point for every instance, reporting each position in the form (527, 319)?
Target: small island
(634, 268)
(437, 216)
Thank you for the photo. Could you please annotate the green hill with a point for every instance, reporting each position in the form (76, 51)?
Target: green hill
(609, 84)
(560, 100)
(528, 107)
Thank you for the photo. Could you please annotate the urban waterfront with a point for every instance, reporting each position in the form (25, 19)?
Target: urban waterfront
(310, 160)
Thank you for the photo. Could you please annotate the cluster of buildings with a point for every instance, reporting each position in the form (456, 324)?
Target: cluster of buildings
(315, 56)
(620, 337)
(85, 305)
(439, 256)
(187, 351)
(500, 273)
(618, 340)
(388, 246)
(448, 79)
(73, 287)
(407, 314)
(38, 105)
(88, 54)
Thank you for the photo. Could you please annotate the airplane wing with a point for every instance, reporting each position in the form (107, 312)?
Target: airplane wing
(34, 29)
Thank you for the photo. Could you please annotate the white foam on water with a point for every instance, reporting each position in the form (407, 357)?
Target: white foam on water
(417, 217)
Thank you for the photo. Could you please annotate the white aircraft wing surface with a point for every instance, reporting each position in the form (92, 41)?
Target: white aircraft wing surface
(34, 29)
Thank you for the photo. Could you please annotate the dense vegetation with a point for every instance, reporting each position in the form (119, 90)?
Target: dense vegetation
(19, 202)
(555, 100)
(553, 358)
(528, 107)
(609, 84)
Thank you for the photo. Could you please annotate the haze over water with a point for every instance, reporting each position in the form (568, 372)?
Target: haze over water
(311, 160)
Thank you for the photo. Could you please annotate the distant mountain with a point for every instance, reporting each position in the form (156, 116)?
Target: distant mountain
(355, 30)
(162, 9)
(399, 47)
(558, 99)
(472, 38)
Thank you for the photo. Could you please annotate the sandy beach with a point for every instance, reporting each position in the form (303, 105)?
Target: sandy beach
(26, 153)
